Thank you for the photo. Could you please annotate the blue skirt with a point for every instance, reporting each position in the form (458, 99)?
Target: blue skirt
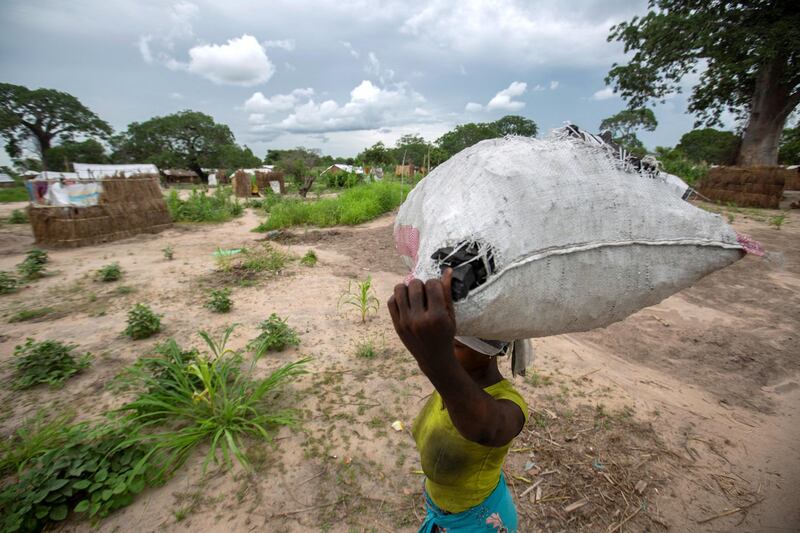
(496, 514)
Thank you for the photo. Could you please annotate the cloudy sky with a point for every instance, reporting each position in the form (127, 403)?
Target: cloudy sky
(337, 75)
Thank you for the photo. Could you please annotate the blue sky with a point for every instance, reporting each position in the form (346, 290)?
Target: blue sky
(335, 75)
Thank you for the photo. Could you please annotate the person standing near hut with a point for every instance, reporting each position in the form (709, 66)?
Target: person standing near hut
(464, 431)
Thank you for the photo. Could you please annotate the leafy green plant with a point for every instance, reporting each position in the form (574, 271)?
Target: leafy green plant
(30, 314)
(354, 206)
(210, 399)
(32, 267)
(224, 259)
(47, 361)
(169, 252)
(368, 348)
(265, 258)
(18, 216)
(361, 297)
(203, 207)
(33, 438)
(95, 471)
(8, 282)
(310, 259)
(220, 301)
(777, 220)
(275, 335)
(111, 272)
(142, 322)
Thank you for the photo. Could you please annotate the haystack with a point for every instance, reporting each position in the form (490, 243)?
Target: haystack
(241, 184)
(127, 207)
(745, 186)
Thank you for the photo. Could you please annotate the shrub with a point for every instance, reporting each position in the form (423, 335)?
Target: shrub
(310, 259)
(210, 399)
(220, 301)
(18, 216)
(168, 252)
(266, 258)
(275, 335)
(30, 314)
(8, 282)
(777, 220)
(343, 179)
(354, 206)
(94, 471)
(47, 361)
(203, 207)
(32, 267)
(368, 348)
(142, 322)
(361, 297)
(110, 272)
(675, 162)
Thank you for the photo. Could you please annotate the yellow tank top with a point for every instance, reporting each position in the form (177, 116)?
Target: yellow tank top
(460, 473)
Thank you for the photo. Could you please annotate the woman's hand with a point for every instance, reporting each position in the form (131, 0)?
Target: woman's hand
(425, 321)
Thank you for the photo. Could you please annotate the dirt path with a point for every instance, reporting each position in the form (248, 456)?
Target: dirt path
(672, 418)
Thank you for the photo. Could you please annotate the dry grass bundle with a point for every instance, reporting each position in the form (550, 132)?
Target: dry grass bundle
(745, 186)
(127, 207)
(263, 180)
(241, 184)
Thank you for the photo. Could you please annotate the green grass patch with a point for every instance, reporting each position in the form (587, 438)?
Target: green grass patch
(30, 314)
(18, 216)
(50, 362)
(13, 194)
(354, 206)
(203, 207)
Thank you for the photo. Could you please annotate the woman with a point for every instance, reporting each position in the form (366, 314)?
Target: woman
(465, 430)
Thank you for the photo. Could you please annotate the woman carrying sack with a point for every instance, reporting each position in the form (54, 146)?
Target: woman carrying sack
(466, 428)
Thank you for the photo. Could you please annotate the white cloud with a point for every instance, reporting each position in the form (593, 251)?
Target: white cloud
(518, 32)
(144, 48)
(258, 103)
(181, 17)
(472, 106)
(241, 61)
(369, 107)
(553, 85)
(176, 96)
(353, 51)
(505, 98)
(603, 94)
(285, 44)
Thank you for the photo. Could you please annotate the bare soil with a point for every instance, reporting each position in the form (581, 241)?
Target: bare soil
(685, 416)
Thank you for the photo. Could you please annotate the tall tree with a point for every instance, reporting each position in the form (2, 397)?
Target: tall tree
(412, 149)
(515, 125)
(624, 125)
(188, 139)
(748, 55)
(465, 135)
(60, 156)
(715, 147)
(41, 115)
(789, 152)
(377, 154)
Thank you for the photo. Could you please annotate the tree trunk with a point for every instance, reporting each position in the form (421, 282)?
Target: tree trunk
(772, 103)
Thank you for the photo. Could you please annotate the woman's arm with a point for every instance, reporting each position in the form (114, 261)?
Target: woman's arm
(424, 319)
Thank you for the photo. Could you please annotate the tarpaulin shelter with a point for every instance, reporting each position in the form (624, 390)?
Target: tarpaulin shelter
(97, 171)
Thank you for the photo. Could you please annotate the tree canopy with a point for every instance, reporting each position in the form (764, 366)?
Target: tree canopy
(746, 53)
(59, 157)
(712, 146)
(42, 115)
(624, 125)
(789, 152)
(187, 139)
(465, 135)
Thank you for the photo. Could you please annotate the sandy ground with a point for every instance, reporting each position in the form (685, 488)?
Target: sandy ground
(685, 416)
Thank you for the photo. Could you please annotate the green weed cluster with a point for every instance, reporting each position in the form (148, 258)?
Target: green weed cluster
(169, 252)
(32, 267)
(343, 179)
(8, 282)
(142, 322)
(275, 335)
(310, 259)
(220, 300)
(264, 259)
(18, 216)
(111, 272)
(50, 362)
(360, 296)
(30, 314)
(34, 437)
(203, 207)
(777, 220)
(354, 206)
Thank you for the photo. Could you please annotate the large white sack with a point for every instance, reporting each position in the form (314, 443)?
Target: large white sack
(579, 239)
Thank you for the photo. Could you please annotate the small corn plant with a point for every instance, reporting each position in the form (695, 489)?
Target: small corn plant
(110, 272)
(220, 300)
(142, 322)
(168, 252)
(361, 297)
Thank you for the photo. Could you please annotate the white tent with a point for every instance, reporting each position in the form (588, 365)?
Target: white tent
(54, 176)
(93, 171)
(346, 168)
(5, 178)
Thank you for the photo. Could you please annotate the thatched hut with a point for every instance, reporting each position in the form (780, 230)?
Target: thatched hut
(126, 207)
(270, 180)
(745, 186)
(180, 175)
(242, 185)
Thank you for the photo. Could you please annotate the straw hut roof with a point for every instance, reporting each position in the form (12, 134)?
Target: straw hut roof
(5, 178)
(341, 167)
(94, 171)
